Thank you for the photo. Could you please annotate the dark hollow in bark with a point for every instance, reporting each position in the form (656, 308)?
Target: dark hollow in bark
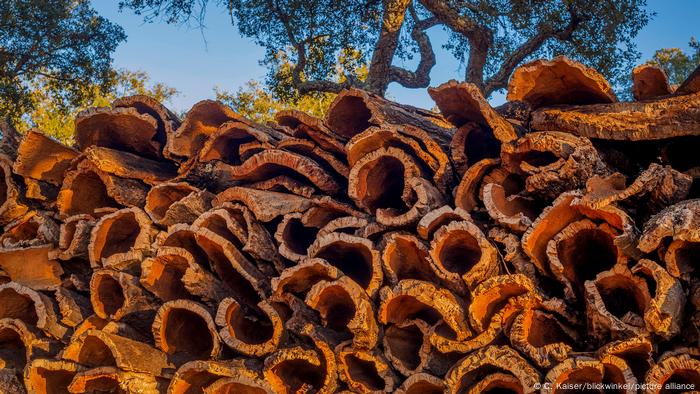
(355, 260)
(248, 325)
(459, 252)
(91, 194)
(621, 296)
(349, 116)
(384, 184)
(184, 332)
(17, 306)
(110, 295)
(364, 372)
(405, 344)
(586, 254)
(13, 350)
(94, 353)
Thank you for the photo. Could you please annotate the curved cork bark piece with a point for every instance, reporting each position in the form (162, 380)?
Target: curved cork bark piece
(303, 125)
(295, 369)
(243, 280)
(202, 120)
(31, 307)
(511, 211)
(487, 361)
(121, 239)
(466, 195)
(42, 158)
(356, 257)
(558, 81)
(355, 110)
(124, 129)
(11, 205)
(553, 162)
(72, 306)
(128, 165)
(679, 222)
(119, 296)
(174, 274)
(636, 352)
(294, 237)
(20, 344)
(185, 331)
(33, 229)
(542, 336)
(664, 313)
(404, 256)
(166, 120)
(365, 371)
(462, 103)
(472, 144)
(43, 273)
(553, 219)
(423, 197)
(87, 189)
(576, 370)
(421, 383)
(580, 251)
(111, 379)
(489, 297)
(95, 348)
(176, 202)
(194, 376)
(379, 180)
(417, 143)
(437, 218)
(255, 332)
(407, 346)
(678, 372)
(345, 308)
(46, 376)
(337, 164)
(227, 143)
(239, 384)
(265, 205)
(691, 84)
(649, 82)
(658, 186)
(615, 304)
(299, 278)
(462, 256)
(237, 224)
(675, 116)
(273, 162)
(414, 299)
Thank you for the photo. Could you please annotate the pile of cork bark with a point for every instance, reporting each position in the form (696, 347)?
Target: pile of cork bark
(550, 242)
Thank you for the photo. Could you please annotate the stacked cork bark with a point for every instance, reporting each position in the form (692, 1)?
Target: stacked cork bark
(554, 240)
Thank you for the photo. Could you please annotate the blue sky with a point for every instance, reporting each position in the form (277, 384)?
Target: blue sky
(194, 60)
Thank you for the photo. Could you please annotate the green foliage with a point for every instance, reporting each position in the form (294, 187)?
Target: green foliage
(676, 63)
(304, 39)
(62, 45)
(256, 102)
(53, 112)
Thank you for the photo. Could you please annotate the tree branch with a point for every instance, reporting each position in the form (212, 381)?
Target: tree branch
(385, 48)
(421, 77)
(500, 79)
(298, 81)
(479, 37)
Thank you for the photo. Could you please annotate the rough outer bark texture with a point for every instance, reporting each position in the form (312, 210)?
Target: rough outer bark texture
(636, 121)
